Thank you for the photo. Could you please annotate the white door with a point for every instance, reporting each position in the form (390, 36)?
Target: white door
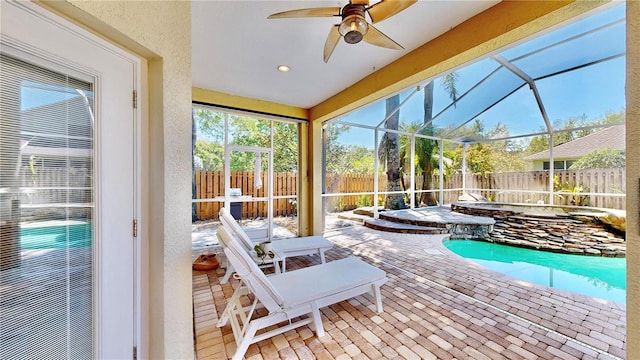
(67, 190)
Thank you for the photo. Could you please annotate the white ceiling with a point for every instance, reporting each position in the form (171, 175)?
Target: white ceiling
(236, 49)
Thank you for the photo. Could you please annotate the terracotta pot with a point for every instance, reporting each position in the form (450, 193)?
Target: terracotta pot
(206, 262)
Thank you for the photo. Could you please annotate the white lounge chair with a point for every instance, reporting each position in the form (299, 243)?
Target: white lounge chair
(283, 248)
(292, 295)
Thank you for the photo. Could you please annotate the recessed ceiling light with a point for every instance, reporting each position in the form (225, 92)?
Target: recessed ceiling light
(283, 68)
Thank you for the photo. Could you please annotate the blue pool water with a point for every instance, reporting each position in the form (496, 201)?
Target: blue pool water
(56, 237)
(596, 276)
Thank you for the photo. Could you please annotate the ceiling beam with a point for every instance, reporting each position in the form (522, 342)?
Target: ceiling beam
(248, 104)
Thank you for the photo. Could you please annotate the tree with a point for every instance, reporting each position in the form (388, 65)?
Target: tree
(449, 84)
(256, 132)
(478, 158)
(334, 152)
(248, 131)
(194, 136)
(244, 130)
(614, 117)
(208, 139)
(505, 155)
(358, 160)
(212, 155)
(489, 156)
(405, 154)
(419, 158)
(563, 130)
(389, 153)
(601, 159)
(285, 152)
(425, 148)
(349, 159)
(537, 144)
(210, 123)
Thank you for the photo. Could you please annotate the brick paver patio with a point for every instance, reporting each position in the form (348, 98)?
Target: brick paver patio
(436, 306)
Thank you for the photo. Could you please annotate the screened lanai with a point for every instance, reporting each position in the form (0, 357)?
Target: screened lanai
(536, 123)
(482, 128)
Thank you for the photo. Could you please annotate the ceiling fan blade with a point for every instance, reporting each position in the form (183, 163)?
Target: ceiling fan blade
(313, 12)
(387, 8)
(376, 37)
(332, 41)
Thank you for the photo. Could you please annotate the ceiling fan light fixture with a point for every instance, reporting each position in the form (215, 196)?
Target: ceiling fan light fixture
(354, 25)
(353, 28)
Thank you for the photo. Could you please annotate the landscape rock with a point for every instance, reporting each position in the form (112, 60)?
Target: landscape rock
(594, 232)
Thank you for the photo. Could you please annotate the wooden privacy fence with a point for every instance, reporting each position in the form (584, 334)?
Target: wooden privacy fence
(210, 184)
(55, 185)
(515, 187)
(61, 185)
(350, 183)
(576, 187)
(53, 192)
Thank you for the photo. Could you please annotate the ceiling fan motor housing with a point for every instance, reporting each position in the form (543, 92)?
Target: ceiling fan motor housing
(354, 25)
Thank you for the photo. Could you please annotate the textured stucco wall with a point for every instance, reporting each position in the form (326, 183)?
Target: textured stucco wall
(633, 179)
(160, 32)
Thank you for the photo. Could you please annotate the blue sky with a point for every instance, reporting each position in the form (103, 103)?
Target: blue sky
(33, 94)
(591, 91)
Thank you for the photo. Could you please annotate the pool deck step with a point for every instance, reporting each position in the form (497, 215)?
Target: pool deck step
(391, 226)
(405, 218)
(352, 216)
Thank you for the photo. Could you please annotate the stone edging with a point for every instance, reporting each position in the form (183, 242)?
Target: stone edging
(581, 233)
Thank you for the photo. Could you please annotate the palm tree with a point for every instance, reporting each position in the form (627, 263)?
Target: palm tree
(389, 150)
(405, 154)
(389, 153)
(425, 147)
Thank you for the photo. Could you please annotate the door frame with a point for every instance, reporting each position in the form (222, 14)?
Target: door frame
(140, 113)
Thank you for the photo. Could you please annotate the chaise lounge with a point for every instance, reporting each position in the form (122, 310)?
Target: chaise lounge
(294, 297)
(283, 248)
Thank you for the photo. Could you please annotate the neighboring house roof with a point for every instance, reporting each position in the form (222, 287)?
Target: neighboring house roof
(57, 130)
(55, 152)
(612, 138)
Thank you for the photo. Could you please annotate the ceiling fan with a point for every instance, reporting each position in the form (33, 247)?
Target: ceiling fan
(354, 26)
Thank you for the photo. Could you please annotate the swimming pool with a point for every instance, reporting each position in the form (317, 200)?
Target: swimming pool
(601, 277)
(55, 235)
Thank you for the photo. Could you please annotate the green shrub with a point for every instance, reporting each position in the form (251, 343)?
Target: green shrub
(364, 200)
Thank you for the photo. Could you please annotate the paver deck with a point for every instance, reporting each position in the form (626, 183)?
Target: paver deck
(437, 305)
